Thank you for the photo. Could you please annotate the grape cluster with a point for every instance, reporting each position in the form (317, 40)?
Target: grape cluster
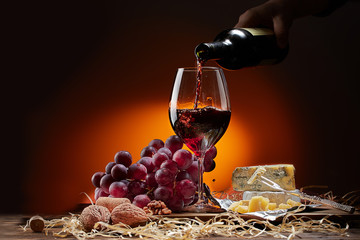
(165, 172)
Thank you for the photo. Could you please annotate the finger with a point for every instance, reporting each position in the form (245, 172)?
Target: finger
(250, 18)
(281, 30)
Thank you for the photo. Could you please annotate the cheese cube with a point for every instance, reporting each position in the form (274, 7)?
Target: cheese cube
(293, 203)
(242, 209)
(233, 206)
(244, 202)
(282, 174)
(258, 203)
(239, 206)
(284, 206)
(271, 206)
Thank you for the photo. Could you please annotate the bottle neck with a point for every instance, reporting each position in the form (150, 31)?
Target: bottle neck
(213, 50)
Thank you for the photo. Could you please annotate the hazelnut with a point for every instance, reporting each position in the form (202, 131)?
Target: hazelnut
(129, 214)
(93, 214)
(37, 223)
(110, 203)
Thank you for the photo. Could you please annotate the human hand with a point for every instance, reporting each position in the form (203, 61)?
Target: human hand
(279, 16)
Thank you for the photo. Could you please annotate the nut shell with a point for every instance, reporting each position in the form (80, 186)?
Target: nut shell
(93, 214)
(157, 207)
(129, 214)
(110, 203)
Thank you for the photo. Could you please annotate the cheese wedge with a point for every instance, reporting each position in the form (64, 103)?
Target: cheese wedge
(275, 197)
(282, 174)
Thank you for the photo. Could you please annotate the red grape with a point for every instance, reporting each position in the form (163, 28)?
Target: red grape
(130, 196)
(163, 193)
(123, 157)
(118, 189)
(137, 187)
(174, 143)
(109, 166)
(164, 176)
(176, 204)
(150, 180)
(183, 158)
(209, 165)
(126, 182)
(185, 188)
(193, 170)
(95, 179)
(159, 158)
(119, 172)
(148, 162)
(137, 171)
(183, 175)
(105, 182)
(141, 200)
(156, 143)
(211, 153)
(171, 165)
(167, 171)
(166, 151)
(99, 192)
(148, 151)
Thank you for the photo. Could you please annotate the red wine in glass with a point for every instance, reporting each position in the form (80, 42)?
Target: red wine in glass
(200, 128)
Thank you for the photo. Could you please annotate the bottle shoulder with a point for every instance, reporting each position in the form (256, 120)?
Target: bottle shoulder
(234, 34)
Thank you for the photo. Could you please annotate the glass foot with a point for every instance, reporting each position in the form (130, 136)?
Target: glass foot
(203, 207)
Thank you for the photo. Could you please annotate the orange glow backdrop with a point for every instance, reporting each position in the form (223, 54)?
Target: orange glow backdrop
(95, 78)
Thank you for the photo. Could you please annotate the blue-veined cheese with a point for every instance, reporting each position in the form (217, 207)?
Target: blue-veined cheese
(282, 174)
(274, 197)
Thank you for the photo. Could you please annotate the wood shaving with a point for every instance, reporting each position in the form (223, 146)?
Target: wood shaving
(228, 224)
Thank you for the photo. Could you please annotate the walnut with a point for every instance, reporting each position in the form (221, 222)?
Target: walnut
(156, 207)
(93, 214)
(129, 214)
(110, 203)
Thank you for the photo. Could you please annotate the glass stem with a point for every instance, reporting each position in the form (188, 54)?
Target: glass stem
(201, 179)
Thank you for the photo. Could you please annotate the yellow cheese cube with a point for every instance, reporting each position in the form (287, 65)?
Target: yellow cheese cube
(234, 205)
(240, 206)
(284, 206)
(258, 203)
(271, 206)
(242, 209)
(244, 202)
(293, 203)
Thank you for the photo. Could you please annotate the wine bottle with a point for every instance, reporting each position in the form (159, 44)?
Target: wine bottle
(242, 47)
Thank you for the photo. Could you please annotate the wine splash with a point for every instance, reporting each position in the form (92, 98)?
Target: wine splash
(200, 64)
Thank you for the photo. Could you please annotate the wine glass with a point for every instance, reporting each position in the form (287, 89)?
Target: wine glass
(200, 113)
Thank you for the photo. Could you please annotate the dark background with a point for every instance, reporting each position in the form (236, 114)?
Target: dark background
(67, 62)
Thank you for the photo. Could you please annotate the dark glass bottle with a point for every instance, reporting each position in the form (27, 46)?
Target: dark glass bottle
(242, 47)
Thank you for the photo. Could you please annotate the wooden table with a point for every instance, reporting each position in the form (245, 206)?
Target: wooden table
(10, 228)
